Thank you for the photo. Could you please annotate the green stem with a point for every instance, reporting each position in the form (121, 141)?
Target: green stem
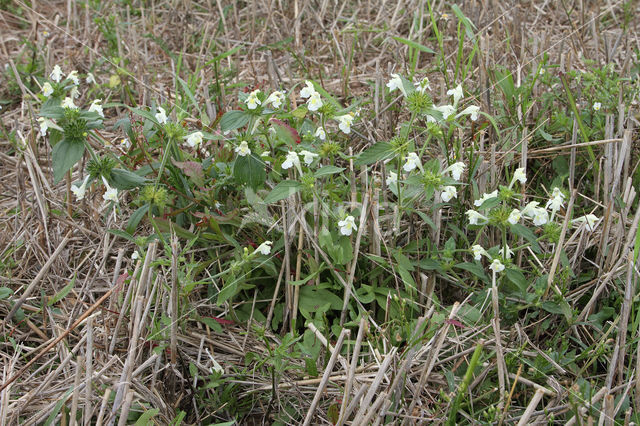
(465, 384)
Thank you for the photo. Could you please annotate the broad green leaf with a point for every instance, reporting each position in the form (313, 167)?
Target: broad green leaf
(283, 190)
(64, 156)
(124, 179)
(327, 170)
(136, 217)
(518, 278)
(378, 152)
(213, 324)
(121, 234)
(145, 418)
(475, 269)
(249, 170)
(233, 119)
(5, 292)
(527, 234)
(286, 133)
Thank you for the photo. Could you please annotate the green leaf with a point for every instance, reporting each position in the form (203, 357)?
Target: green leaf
(64, 156)
(249, 170)
(283, 190)
(143, 113)
(193, 169)
(475, 269)
(233, 119)
(136, 217)
(314, 299)
(121, 234)
(125, 179)
(377, 152)
(285, 133)
(54, 413)
(307, 279)
(5, 292)
(327, 170)
(413, 44)
(224, 55)
(518, 278)
(62, 293)
(527, 234)
(213, 324)
(187, 91)
(559, 308)
(146, 417)
(468, 25)
(327, 96)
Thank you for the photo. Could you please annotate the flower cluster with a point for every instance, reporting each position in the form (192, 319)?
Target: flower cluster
(421, 87)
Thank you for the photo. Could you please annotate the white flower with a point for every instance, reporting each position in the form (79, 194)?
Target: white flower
(125, 144)
(315, 102)
(264, 248)
(474, 217)
(485, 197)
(252, 100)
(423, 85)
(308, 156)
(194, 140)
(307, 91)
(590, 220)
(456, 170)
(92, 80)
(449, 192)
(68, 103)
(275, 99)
(345, 122)
(446, 110)
(79, 191)
(161, 116)
(320, 134)
(74, 92)
(47, 90)
(530, 209)
(396, 83)
(97, 108)
(413, 161)
(478, 251)
(111, 194)
(392, 178)
(56, 74)
(347, 225)
(540, 216)
(508, 255)
(597, 106)
(519, 175)
(542, 71)
(457, 94)
(73, 76)
(243, 149)
(470, 110)
(514, 217)
(135, 255)
(556, 201)
(496, 266)
(292, 160)
(45, 123)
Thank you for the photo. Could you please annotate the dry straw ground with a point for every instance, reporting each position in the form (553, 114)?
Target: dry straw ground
(88, 346)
